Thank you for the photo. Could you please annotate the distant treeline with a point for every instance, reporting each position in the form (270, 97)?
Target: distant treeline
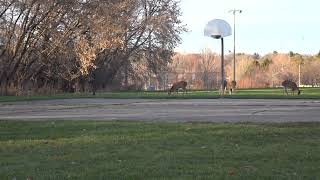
(202, 71)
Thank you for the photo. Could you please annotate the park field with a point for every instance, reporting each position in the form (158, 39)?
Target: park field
(137, 150)
(271, 93)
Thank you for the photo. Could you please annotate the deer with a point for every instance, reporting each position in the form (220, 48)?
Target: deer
(291, 85)
(233, 85)
(177, 86)
(228, 86)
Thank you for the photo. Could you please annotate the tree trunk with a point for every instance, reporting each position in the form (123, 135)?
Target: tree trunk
(126, 83)
(4, 87)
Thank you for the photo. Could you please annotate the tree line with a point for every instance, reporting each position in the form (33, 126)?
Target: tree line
(49, 46)
(202, 71)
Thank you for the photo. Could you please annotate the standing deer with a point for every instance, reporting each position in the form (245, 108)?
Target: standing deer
(233, 85)
(177, 86)
(228, 86)
(291, 85)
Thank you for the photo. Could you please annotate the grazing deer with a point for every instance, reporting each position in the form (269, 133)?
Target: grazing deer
(291, 85)
(177, 86)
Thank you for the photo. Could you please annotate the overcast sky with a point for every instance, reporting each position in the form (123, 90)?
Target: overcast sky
(264, 25)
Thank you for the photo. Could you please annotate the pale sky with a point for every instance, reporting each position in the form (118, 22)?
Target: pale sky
(262, 27)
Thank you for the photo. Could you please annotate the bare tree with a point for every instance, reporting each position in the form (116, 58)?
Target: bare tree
(207, 66)
(68, 40)
(152, 31)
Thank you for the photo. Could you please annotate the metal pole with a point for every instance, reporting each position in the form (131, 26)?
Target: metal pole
(234, 11)
(234, 46)
(222, 68)
(299, 74)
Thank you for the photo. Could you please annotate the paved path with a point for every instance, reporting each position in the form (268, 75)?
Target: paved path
(195, 110)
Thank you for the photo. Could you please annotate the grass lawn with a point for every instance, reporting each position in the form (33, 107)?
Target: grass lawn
(272, 93)
(137, 150)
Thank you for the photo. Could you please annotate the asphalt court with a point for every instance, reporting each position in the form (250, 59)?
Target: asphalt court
(169, 110)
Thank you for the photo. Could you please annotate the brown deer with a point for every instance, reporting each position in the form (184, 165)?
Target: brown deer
(177, 86)
(233, 85)
(291, 85)
(228, 86)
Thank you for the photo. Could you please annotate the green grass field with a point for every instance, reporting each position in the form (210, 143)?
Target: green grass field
(272, 93)
(136, 150)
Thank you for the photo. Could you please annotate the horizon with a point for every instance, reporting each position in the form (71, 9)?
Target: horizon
(246, 53)
(262, 27)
